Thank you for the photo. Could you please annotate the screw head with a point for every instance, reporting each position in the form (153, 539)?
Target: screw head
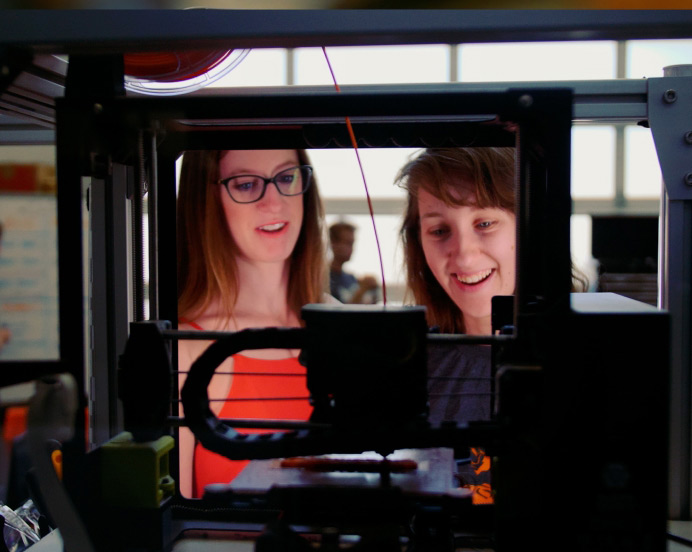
(670, 95)
(688, 179)
(688, 136)
(525, 100)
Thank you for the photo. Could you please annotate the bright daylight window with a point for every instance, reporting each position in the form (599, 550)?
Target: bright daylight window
(537, 61)
(373, 65)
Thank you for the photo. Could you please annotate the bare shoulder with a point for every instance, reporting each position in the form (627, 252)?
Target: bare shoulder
(190, 349)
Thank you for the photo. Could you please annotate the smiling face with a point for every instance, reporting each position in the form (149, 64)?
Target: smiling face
(471, 253)
(266, 230)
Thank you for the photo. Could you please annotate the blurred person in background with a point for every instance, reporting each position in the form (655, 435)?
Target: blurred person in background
(342, 285)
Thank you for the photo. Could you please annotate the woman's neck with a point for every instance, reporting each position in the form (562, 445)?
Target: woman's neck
(261, 303)
(478, 326)
(263, 295)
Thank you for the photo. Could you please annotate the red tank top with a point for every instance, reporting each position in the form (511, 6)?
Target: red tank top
(282, 380)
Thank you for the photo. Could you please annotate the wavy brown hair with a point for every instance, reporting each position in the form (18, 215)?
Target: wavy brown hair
(206, 251)
(442, 172)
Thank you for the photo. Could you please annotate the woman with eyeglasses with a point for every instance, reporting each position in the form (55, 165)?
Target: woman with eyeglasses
(250, 255)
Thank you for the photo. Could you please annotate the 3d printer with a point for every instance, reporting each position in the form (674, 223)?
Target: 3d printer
(550, 412)
(573, 420)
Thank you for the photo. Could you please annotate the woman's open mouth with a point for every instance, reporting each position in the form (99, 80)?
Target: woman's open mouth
(272, 228)
(475, 279)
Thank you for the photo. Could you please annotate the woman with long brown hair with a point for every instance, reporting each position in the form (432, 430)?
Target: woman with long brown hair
(460, 250)
(250, 254)
(459, 234)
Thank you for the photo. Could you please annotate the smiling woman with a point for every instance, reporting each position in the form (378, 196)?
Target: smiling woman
(250, 254)
(459, 234)
(471, 252)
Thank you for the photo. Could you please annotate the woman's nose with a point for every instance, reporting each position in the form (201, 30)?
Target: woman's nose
(465, 247)
(271, 198)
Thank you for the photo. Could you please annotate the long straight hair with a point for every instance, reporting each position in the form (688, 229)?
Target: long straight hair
(207, 269)
(442, 172)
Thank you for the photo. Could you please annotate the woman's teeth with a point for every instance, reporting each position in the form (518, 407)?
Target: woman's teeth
(474, 278)
(273, 227)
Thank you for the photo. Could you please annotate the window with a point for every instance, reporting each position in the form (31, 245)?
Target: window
(602, 182)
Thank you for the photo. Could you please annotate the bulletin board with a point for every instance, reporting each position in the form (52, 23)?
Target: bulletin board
(28, 268)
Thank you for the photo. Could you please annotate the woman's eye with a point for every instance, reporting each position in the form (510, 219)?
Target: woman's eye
(439, 231)
(244, 186)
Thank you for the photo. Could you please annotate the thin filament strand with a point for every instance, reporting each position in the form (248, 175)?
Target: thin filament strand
(354, 143)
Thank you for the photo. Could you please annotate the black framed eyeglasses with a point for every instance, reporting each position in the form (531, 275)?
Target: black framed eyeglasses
(248, 188)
